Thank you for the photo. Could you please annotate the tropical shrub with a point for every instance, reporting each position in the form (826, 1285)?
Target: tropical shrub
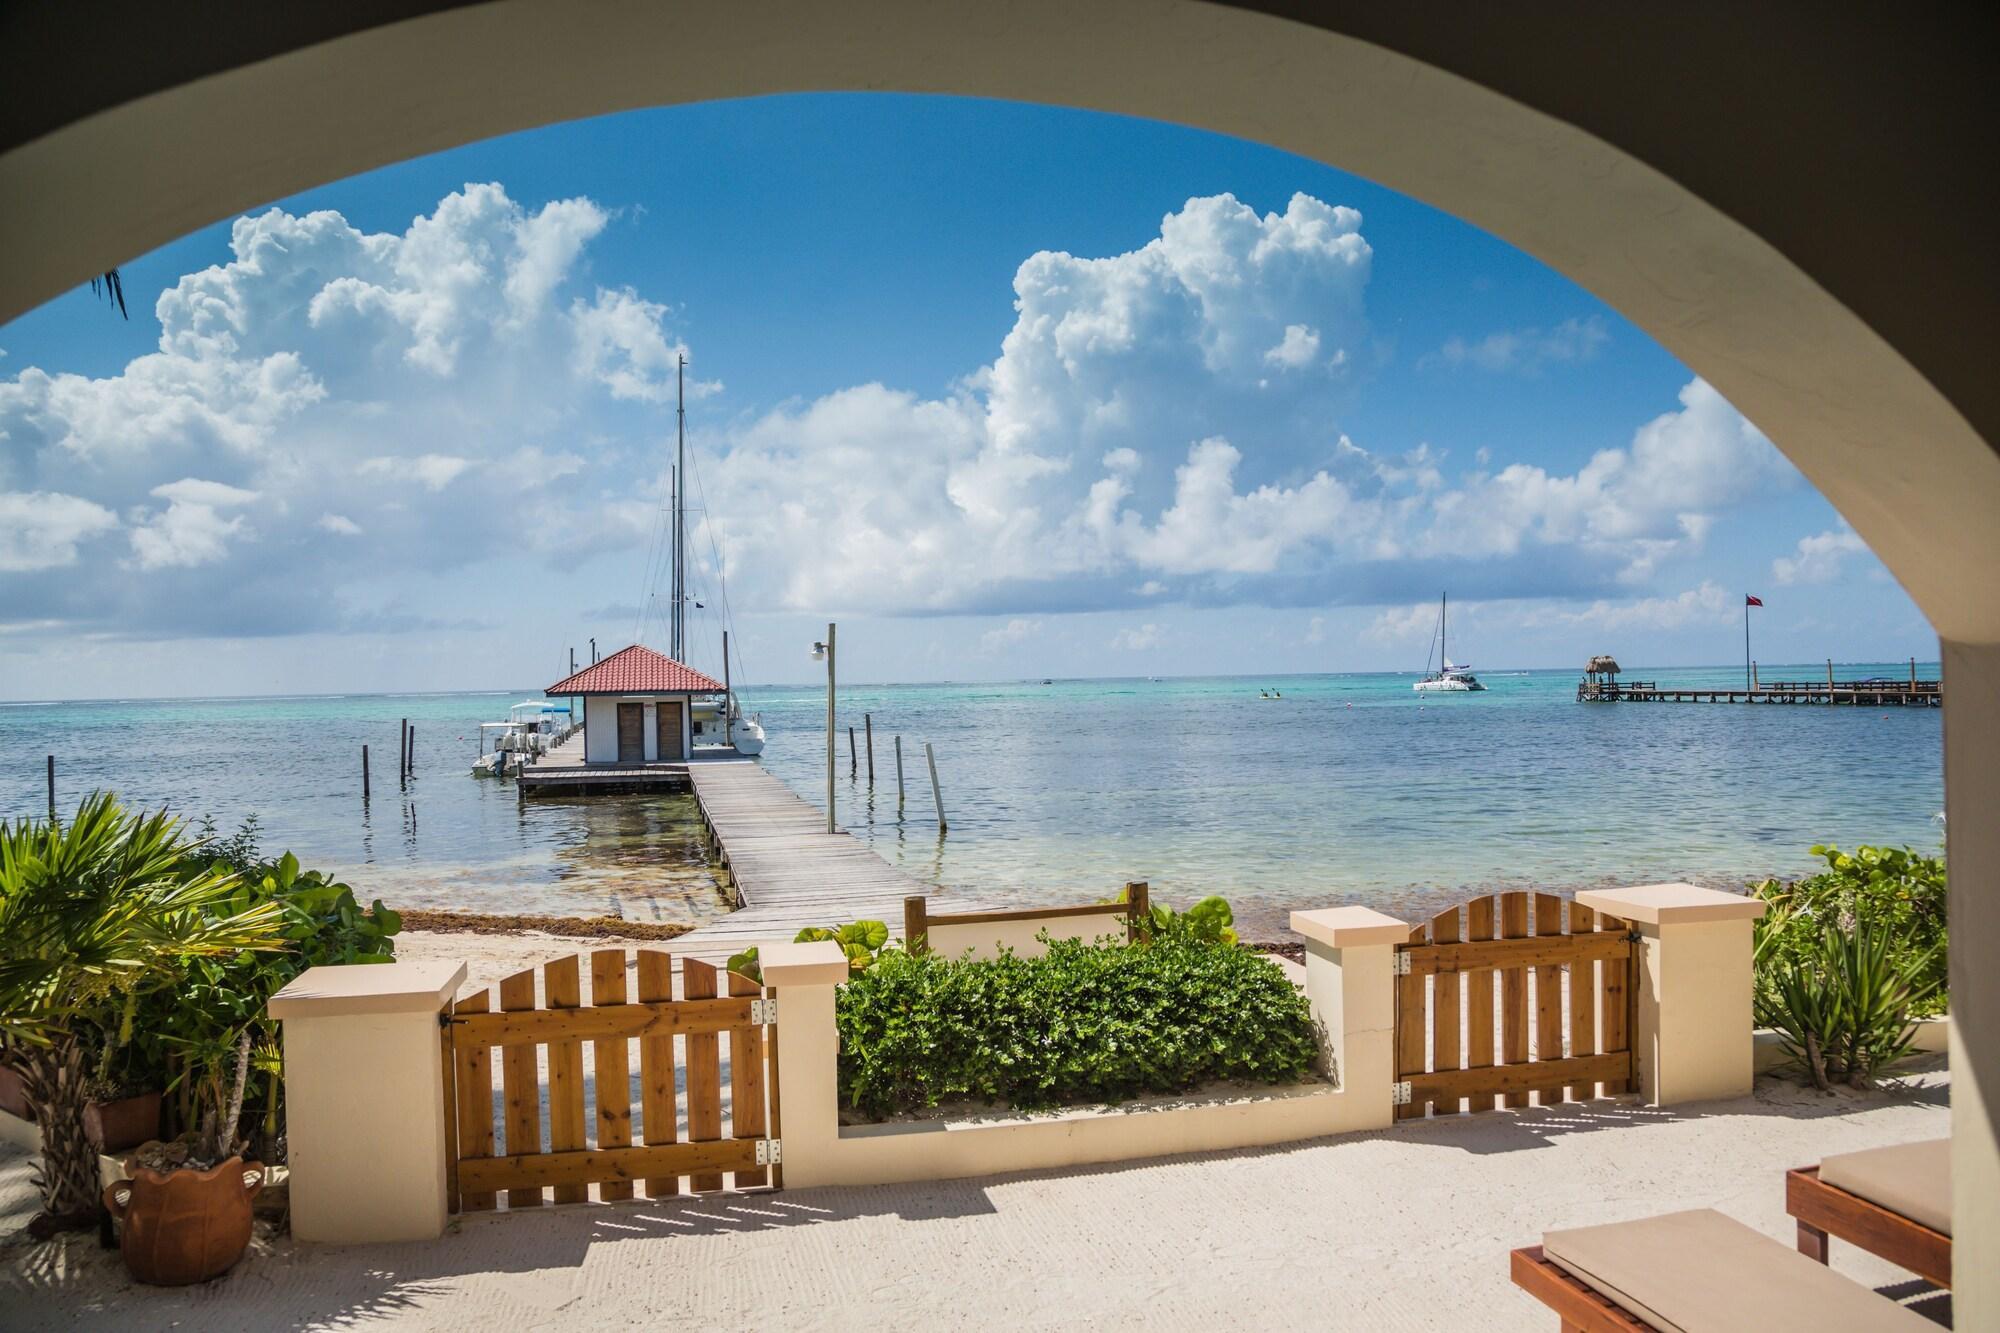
(1841, 1000)
(861, 941)
(1893, 891)
(1210, 921)
(1082, 1023)
(94, 916)
(212, 1029)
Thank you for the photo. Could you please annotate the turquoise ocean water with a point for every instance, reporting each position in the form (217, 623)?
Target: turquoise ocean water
(1348, 788)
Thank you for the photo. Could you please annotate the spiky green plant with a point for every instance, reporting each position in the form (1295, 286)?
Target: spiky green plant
(1842, 1005)
(93, 914)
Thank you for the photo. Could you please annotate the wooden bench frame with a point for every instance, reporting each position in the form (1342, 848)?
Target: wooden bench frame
(1580, 1307)
(1824, 1210)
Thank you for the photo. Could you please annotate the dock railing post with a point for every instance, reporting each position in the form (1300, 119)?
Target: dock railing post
(916, 923)
(937, 797)
(868, 727)
(899, 774)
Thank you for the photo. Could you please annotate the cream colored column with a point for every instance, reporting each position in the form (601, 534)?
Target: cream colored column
(1971, 796)
(364, 1100)
(1695, 1033)
(802, 978)
(1350, 983)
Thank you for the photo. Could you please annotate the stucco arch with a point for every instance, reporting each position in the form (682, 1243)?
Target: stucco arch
(1791, 199)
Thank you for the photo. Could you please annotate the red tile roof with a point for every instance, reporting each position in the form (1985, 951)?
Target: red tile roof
(636, 670)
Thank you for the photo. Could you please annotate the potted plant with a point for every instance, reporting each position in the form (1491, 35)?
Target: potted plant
(92, 916)
(184, 1213)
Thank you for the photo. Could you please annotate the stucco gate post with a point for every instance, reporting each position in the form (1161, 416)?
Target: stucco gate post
(1350, 983)
(1694, 1036)
(364, 1100)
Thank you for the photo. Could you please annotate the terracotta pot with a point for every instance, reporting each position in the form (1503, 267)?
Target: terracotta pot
(14, 1093)
(126, 1123)
(184, 1226)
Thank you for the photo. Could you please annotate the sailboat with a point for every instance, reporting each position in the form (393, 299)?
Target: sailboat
(1447, 679)
(710, 723)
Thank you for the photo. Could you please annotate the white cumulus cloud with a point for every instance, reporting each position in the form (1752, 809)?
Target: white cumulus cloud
(1819, 558)
(1015, 631)
(40, 530)
(192, 530)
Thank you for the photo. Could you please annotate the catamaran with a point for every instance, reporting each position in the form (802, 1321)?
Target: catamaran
(1448, 678)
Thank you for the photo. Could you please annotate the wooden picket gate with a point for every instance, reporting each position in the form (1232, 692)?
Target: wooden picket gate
(1464, 998)
(499, 1147)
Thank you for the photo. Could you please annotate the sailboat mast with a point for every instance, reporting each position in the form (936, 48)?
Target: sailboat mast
(1445, 663)
(679, 653)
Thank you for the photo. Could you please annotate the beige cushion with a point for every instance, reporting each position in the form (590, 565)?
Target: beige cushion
(1701, 1272)
(1913, 1179)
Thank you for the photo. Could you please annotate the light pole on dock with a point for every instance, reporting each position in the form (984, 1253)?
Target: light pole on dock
(823, 652)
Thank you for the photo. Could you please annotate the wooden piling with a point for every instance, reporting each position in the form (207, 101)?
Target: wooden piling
(868, 727)
(52, 789)
(937, 797)
(403, 753)
(899, 773)
(916, 926)
(853, 764)
(411, 759)
(364, 775)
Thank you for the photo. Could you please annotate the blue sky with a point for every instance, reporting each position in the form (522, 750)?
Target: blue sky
(1009, 391)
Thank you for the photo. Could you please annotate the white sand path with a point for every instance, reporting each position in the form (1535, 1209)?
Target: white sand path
(1407, 1228)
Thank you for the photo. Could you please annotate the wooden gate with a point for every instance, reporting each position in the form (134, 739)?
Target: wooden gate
(1484, 1019)
(503, 1149)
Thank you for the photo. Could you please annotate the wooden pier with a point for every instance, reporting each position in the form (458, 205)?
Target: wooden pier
(786, 870)
(1881, 693)
(563, 772)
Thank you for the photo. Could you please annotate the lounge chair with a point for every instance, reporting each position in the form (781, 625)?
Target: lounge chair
(1696, 1272)
(1894, 1203)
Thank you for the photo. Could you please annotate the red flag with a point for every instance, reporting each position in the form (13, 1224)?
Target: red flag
(1752, 601)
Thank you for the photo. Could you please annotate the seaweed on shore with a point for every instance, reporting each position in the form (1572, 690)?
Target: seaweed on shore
(587, 927)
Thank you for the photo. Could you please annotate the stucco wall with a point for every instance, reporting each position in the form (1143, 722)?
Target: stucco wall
(985, 939)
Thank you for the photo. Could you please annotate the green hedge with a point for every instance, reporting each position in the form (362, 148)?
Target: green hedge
(1084, 1023)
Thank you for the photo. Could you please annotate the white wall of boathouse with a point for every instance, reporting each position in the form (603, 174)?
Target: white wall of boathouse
(600, 725)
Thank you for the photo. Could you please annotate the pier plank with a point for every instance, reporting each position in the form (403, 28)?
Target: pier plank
(788, 871)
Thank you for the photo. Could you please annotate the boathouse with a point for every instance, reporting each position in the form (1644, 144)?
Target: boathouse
(637, 706)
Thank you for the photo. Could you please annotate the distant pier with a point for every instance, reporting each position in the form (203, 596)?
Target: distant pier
(1876, 692)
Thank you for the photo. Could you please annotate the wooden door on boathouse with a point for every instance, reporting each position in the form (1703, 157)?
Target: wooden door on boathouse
(667, 733)
(631, 733)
